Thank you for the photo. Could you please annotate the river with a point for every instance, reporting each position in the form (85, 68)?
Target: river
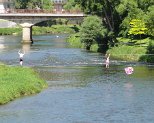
(80, 89)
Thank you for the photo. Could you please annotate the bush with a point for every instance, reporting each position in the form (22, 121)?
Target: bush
(94, 48)
(149, 57)
(75, 41)
(91, 30)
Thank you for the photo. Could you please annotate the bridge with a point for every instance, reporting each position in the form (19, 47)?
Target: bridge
(28, 18)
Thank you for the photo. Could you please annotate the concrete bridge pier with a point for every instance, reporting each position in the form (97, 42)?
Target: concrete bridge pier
(27, 33)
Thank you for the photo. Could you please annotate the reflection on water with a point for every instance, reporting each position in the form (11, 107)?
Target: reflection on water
(26, 47)
(80, 89)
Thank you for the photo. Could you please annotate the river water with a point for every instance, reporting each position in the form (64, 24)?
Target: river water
(80, 89)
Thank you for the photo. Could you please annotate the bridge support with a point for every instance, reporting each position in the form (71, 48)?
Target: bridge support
(27, 32)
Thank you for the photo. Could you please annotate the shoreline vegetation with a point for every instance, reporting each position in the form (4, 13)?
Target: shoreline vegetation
(18, 81)
(39, 30)
(140, 50)
(124, 49)
(21, 81)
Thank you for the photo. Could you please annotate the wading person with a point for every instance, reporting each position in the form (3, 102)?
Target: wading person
(21, 57)
(107, 61)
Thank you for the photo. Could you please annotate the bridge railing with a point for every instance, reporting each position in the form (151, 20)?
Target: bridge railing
(35, 11)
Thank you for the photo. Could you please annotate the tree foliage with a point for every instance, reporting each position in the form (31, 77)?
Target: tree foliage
(137, 27)
(71, 5)
(33, 4)
(91, 29)
(150, 20)
(117, 14)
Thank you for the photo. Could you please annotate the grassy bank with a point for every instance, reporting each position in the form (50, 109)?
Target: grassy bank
(125, 49)
(75, 41)
(55, 29)
(128, 53)
(36, 30)
(18, 81)
(132, 50)
(10, 31)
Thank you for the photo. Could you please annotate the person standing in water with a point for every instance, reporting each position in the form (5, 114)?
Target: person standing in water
(107, 61)
(21, 57)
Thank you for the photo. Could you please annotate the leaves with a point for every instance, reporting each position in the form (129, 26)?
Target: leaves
(137, 27)
(33, 4)
(91, 29)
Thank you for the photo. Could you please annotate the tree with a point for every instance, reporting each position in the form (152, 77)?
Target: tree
(21, 4)
(150, 20)
(145, 4)
(47, 5)
(33, 4)
(137, 27)
(106, 10)
(71, 5)
(91, 30)
(128, 10)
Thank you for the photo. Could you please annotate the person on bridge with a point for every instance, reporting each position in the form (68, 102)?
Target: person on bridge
(107, 61)
(21, 57)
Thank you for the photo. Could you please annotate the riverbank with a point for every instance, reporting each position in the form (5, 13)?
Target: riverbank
(125, 49)
(18, 81)
(37, 30)
(133, 50)
(75, 41)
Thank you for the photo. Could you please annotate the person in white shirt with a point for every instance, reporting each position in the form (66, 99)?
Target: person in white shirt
(107, 61)
(21, 57)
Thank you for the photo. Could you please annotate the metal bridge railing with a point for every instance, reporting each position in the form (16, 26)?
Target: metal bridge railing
(35, 11)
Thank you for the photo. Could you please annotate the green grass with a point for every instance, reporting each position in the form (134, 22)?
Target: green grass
(18, 81)
(37, 30)
(10, 31)
(128, 53)
(134, 42)
(55, 29)
(130, 50)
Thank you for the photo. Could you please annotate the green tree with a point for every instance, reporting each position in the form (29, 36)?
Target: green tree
(33, 4)
(91, 30)
(137, 27)
(128, 10)
(106, 10)
(139, 9)
(150, 20)
(71, 5)
(47, 5)
(145, 4)
(21, 4)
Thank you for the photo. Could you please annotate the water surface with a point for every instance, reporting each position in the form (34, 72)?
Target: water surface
(80, 89)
